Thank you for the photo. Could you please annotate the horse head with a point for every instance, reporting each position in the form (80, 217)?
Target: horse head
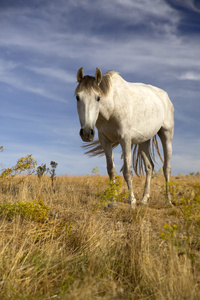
(88, 95)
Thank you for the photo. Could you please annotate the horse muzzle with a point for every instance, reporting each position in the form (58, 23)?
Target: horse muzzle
(87, 134)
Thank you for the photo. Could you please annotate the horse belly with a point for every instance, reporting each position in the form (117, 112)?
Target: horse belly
(138, 135)
(146, 121)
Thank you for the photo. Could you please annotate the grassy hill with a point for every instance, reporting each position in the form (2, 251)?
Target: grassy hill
(66, 243)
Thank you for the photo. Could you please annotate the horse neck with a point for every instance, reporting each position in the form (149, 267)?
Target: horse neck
(107, 102)
(106, 106)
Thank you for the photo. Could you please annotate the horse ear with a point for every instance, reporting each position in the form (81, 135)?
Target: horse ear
(80, 75)
(98, 76)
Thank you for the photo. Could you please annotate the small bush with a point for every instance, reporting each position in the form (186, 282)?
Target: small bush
(41, 170)
(24, 165)
(113, 191)
(185, 236)
(35, 210)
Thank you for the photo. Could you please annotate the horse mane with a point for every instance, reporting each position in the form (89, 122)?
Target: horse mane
(95, 149)
(106, 82)
(89, 83)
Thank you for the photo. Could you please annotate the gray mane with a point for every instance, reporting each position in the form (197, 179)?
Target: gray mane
(89, 83)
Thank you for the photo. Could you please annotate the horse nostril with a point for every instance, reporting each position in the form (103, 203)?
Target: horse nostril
(87, 134)
(81, 132)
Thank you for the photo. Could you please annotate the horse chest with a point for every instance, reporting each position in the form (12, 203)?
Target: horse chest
(109, 129)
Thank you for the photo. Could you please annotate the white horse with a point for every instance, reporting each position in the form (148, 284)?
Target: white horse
(127, 114)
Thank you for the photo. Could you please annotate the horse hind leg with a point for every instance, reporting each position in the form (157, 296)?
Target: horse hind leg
(149, 166)
(166, 139)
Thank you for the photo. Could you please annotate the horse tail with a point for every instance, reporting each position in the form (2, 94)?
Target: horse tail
(137, 157)
(95, 149)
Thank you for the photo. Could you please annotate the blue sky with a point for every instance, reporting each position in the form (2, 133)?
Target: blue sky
(44, 42)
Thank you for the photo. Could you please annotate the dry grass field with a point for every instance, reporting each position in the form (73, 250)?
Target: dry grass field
(66, 243)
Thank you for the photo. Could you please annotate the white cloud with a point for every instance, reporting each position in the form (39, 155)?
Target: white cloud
(190, 76)
(15, 78)
(20, 83)
(42, 36)
(41, 30)
(134, 12)
(190, 4)
(54, 73)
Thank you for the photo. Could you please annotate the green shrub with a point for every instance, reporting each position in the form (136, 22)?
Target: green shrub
(35, 210)
(24, 164)
(185, 235)
(113, 191)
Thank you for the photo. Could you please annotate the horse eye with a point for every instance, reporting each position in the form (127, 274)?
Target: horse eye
(77, 98)
(98, 98)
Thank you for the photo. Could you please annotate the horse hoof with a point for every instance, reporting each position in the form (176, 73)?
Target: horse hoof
(169, 204)
(142, 203)
(133, 205)
(120, 205)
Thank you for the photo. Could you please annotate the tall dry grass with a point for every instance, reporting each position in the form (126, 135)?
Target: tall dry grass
(84, 250)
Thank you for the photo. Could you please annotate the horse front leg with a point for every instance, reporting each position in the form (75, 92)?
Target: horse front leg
(127, 173)
(107, 146)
